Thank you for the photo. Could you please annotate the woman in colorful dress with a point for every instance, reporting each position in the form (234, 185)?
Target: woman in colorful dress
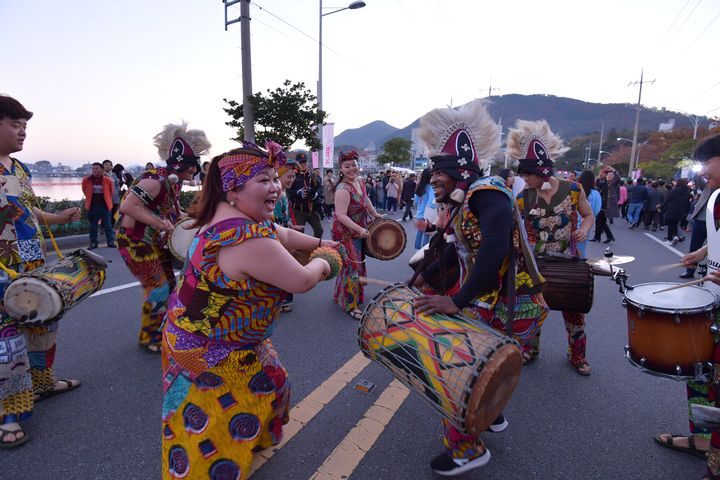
(27, 374)
(148, 214)
(226, 393)
(550, 208)
(353, 209)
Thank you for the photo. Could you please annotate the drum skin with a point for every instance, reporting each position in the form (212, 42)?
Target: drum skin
(182, 237)
(569, 284)
(667, 338)
(464, 370)
(386, 239)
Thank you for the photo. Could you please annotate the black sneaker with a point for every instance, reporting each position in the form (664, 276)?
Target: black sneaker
(687, 275)
(499, 425)
(447, 466)
(93, 246)
(111, 245)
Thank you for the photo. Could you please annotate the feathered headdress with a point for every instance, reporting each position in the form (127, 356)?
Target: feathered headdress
(459, 142)
(536, 147)
(181, 148)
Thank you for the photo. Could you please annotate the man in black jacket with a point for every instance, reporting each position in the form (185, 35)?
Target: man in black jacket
(303, 195)
(408, 193)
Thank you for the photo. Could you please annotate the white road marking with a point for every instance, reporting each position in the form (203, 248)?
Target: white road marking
(115, 289)
(669, 247)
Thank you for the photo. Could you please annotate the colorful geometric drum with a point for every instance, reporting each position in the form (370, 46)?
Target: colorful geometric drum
(465, 370)
(45, 294)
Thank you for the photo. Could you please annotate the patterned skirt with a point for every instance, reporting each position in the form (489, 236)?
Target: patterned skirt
(221, 404)
(349, 293)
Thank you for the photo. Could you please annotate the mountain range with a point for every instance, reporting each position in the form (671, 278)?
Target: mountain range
(568, 118)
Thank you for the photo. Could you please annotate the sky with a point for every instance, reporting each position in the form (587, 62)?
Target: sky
(104, 77)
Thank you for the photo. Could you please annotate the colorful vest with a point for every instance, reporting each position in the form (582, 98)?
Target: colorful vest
(469, 238)
(165, 205)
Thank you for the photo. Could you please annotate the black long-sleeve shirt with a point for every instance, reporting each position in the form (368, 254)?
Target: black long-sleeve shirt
(493, 211)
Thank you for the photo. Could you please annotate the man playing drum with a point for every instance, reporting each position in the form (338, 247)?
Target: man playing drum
(481, 237)
(27, 354)
(700, 440)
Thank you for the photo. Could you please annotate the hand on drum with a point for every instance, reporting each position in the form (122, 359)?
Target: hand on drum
(693, 258)
(435, 304)
(580, 235)
(71, 214)
(421, 224)
(166, 226)
(363, 233)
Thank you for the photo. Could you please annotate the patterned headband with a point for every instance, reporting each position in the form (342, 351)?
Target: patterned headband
(236, 169)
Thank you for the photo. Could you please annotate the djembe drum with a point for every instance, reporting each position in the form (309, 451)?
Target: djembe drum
(463, 369)
(45, 294)
(569, 283)
(386, 239)
(181, 238)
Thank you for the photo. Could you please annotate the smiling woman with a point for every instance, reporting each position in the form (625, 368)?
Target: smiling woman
(226, 391)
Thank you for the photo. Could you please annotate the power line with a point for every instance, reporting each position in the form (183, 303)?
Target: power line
(675, 20)
(706, 91)
(700, 34)
(405, 10)
(685, 21)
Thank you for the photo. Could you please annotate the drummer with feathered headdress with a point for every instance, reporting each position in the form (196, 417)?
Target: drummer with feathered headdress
(148, 214)
(551, 209)
(482, 238)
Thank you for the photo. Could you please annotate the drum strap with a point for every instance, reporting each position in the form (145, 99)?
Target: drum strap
(510, 279)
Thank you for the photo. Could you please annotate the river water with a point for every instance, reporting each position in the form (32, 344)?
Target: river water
(65, 188)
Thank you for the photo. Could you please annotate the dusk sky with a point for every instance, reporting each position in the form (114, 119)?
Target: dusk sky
(103, 77)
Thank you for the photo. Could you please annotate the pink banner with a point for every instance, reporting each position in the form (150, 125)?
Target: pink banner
(315, 159)
(328, 145)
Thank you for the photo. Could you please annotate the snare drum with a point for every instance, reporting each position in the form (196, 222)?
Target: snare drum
(45, 294)
(569, 283)
(465, 370)
(386, 239)
(669, 333)
(182, 237)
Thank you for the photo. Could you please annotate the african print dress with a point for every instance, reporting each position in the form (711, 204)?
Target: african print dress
(27, 354)
(349, 293)
(142, 249)
(226, 395)
(550, 228)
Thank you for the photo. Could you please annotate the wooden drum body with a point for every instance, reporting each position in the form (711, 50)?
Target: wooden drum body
(182, 238)
(569, 283)
(669, 333)
(45, 294)
(386, 239)
(466, 371)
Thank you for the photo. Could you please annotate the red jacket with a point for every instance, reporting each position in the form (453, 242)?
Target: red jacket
(87, 188)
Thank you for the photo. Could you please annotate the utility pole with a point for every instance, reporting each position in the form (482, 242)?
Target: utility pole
(637, 121)
(244, 19)
(602, 132)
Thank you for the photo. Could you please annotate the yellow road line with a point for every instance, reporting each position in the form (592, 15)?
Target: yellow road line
(311, 405)
(346, 456)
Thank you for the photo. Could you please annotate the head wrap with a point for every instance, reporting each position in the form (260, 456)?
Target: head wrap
(459, 142)
(181, 148)
(536, 147)
(351, 155)
(242, 164)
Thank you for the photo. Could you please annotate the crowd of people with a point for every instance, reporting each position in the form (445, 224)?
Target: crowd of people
(225, 391)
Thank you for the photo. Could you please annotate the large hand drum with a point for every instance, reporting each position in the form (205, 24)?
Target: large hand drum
(45, 294)
(182, 237)
(465, 370)
(386, 239)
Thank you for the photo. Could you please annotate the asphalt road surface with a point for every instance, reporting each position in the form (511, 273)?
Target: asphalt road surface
(562, 425)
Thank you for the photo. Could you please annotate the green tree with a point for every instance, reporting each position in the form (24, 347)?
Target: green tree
(285, 115)
(679, 150)
(657, 169)
(396, 151)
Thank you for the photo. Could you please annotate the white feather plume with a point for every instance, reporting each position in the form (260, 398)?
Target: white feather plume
(525, 131)
(437, 125)
(195, 138)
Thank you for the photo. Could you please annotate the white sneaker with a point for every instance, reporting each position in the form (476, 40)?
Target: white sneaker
(447, 466)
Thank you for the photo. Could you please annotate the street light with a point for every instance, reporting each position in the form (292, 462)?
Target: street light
(637, 155)
(351, 6)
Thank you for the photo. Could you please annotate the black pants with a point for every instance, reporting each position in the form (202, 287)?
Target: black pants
(302, 216)
(652, 217)
(329, 207)
(601, 227)
(698, 237)
(672, 224)
(408, 211)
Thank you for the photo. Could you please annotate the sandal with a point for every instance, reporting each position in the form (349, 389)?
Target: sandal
(152, 347)
(667, 439)
(12, 443)
(69, 385)
(583, 368)
(355, 314)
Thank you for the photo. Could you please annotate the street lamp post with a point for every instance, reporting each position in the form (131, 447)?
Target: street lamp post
(351, 6)
(636, 150)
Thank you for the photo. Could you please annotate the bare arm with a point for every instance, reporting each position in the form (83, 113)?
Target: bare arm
(134, 208)
(294, 240)
(342, 202)
(66, 216)
(588, 219)
(266, 260)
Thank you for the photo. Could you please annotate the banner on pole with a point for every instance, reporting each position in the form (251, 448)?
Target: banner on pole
(315, 159)
(328, 145)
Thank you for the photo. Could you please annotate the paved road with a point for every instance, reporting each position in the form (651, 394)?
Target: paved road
(562, 425)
